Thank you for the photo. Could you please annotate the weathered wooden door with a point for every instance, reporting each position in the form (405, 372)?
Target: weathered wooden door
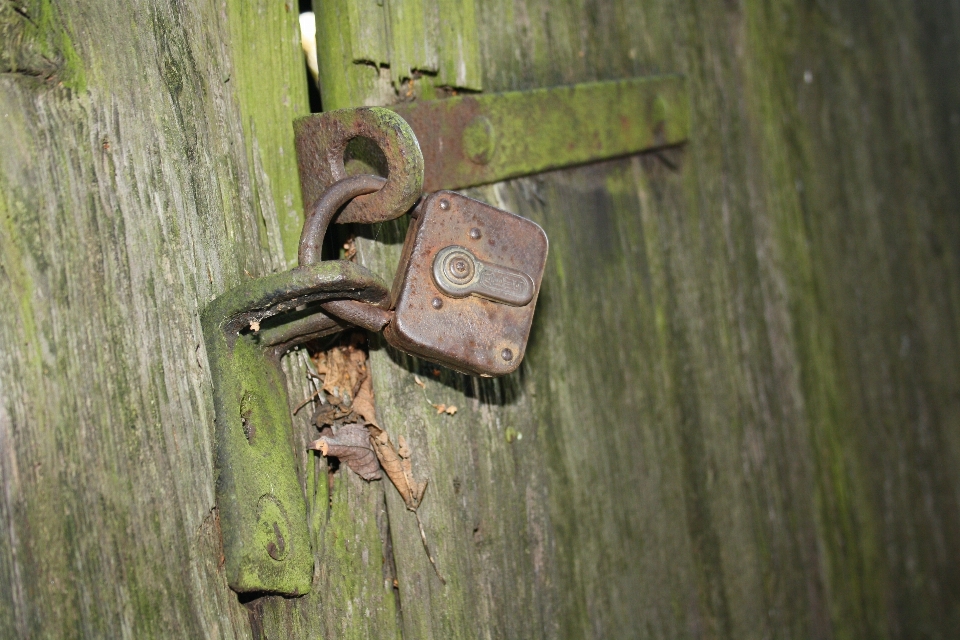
(738, 415)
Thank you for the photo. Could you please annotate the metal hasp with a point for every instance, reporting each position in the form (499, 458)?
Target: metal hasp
(322, 142)
(262, 508)
(477, 322)
(261, 503)
(479, 139)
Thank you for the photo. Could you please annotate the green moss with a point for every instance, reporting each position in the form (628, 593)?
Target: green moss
(14, 275)
(72, 74)
(39, 44)
(847, 522)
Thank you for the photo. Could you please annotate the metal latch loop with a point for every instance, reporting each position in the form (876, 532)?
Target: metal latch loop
(322, 141)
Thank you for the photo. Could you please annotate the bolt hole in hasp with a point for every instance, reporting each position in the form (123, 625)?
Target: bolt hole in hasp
(246, 410)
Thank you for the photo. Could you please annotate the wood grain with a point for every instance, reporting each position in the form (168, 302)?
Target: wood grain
(738, 412)
(740, 401)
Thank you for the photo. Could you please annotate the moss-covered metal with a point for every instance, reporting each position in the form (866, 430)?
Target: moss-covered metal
(263, 514)
(322, 141)
(479, 139)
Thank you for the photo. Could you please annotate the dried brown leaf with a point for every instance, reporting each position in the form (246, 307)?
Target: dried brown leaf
(396, 463)
(343, 369)
(324, 415)
(417, 487)
(363, 402)
(320, 362)
(352, 446)
(443, 408)
(349, 249)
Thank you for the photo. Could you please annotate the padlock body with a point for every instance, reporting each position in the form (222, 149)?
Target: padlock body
(479, 319)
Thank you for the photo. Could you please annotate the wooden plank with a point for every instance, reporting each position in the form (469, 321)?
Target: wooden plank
(742, 380)
(751, 434)
(269, 85)
(459, 44)
(126, 203)
(352, 592)
(427, 46)
(147, 170)
(336, 58)
(368, 33)
(413, 38)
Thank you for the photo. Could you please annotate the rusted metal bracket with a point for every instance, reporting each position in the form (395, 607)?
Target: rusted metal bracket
(322, 142)
(262, 508)
(261, 504)
(480, 139)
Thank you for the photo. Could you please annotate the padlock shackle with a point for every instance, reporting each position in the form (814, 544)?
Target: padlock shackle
(340, 193)
(323, 212)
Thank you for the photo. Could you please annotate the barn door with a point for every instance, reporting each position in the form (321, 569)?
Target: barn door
(737, 416)
(690, 445)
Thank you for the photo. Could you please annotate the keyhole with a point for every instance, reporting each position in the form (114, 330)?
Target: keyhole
(458, 267)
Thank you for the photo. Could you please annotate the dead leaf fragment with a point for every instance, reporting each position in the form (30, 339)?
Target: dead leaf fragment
(326, 414)
(343, 369)
(363, 402)
(420, 383)
(349, 249)
(351, 445)
(396, 463)
(443, 408)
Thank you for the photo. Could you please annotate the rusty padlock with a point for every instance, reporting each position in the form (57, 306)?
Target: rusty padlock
(467, 285)
(470, 273)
